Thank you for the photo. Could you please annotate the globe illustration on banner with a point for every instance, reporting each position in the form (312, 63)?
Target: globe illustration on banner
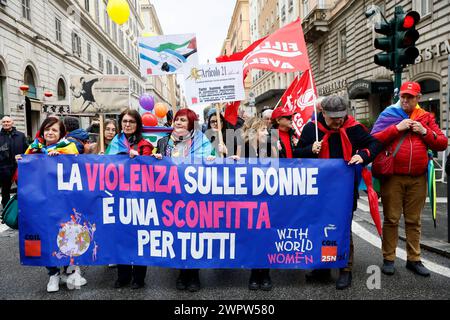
(73, 239)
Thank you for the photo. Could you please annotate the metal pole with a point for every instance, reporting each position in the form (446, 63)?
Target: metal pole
(397, 84)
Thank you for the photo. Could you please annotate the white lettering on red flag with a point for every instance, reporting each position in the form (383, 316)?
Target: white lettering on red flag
(304, 96)
(283, 51)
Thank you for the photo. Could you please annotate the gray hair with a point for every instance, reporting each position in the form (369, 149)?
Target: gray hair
(267, 113)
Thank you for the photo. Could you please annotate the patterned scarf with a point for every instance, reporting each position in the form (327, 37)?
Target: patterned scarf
(179, 146)
(63, 146)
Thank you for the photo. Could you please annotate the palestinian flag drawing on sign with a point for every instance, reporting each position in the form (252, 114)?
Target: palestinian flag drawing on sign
(162, 55)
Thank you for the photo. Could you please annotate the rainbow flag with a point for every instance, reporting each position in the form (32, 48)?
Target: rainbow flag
(118, 145)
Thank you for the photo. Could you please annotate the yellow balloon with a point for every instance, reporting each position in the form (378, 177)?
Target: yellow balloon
(118, 11)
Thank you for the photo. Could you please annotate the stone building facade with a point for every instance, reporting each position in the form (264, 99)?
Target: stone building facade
(340, 46)
(43, 42)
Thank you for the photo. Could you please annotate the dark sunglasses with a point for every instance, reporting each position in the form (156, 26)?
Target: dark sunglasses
(287, 117)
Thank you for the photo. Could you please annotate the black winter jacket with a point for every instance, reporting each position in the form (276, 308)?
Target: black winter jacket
(11, 143)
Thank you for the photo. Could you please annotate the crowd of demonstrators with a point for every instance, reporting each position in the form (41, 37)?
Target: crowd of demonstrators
(130, 141)
(75, 134)
(185, 141)
(340, 136)
(270, 135)
(411, 131)
(51, 140)
(12, 143)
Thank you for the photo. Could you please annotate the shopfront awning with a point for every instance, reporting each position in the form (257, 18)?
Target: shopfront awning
(362, 89)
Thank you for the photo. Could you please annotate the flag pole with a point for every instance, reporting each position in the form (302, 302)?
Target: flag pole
(315, 102)
(219, 126)
(101, 134)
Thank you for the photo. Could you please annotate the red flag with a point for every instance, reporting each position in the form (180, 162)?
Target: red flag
(286, 99)
(231, 112)
(283, 51)
(238, 56)
(303, 98)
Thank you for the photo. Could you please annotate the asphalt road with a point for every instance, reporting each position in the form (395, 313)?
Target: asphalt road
(19, 282)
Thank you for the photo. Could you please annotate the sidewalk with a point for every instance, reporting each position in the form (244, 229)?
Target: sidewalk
(432, 239)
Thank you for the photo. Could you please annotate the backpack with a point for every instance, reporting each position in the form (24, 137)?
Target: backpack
(11, 212)
(87, 146)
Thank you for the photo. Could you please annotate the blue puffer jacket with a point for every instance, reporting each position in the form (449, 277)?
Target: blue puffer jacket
(79, 137)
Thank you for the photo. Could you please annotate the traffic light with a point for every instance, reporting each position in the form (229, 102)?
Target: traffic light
(406, 36)
(386, 44)
(398, 45)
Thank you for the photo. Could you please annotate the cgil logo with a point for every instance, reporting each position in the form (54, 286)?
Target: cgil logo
(32, 245)
(329, 253)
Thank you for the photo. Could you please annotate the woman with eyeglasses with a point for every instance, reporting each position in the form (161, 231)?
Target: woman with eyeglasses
(212, 133)
(110, 130)
(130, 141)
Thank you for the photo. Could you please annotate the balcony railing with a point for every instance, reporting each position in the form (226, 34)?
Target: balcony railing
(315, 24)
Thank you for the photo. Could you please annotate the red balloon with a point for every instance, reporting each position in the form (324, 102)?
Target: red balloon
(149, 119)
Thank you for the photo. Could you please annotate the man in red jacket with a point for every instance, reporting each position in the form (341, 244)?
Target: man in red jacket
(415, 131)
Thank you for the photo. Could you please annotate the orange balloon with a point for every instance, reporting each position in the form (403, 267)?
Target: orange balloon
(160, 110)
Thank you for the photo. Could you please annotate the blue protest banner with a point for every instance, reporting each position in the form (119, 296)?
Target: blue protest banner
(98, 210)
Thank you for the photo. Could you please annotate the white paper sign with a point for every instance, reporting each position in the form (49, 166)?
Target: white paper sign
(168, 54)
(215, 83)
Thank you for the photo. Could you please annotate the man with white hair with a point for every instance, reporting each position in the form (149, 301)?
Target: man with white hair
(12, 142)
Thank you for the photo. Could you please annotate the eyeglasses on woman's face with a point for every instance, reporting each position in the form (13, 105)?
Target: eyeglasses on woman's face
(129, 122)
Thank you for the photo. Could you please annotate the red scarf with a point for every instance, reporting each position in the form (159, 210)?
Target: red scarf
(347, 151)
(346, 144)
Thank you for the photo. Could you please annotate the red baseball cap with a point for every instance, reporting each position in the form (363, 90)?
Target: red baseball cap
(410, 87)
(281, 112)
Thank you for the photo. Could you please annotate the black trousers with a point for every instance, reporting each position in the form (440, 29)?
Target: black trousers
(6, 187)
(126, 273)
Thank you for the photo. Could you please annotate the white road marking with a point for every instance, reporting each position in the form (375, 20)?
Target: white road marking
(401, 253)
